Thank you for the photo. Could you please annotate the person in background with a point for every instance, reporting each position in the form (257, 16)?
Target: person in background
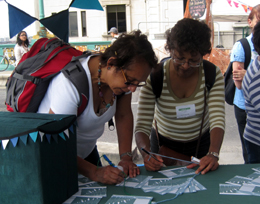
(113, 73)
(114, 33)
(238, 58)
(21, 47)
(251, 90)
(178, 112)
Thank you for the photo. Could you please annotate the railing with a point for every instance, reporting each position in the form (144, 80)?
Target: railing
(82, 46)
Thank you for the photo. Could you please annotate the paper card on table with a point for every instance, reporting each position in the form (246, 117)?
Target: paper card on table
(256, 169)
(93, 191)
(229, 189)
(256, 181)
(254, 175)
(136, 182)
(129, 199)
(83, 200)
(177, 172)
(247, 189)
(239, 180)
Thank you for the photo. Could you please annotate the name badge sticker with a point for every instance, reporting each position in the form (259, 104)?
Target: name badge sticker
(185, 111)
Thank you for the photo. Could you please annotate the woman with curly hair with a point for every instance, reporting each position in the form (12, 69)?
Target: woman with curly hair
(177, 116)
(112, 76)
(21, 47)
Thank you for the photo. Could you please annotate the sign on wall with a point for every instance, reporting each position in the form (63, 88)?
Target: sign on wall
(197, 8)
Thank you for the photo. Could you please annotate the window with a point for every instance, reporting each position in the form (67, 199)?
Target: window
(83, 23)
(73, 24)
(116, 17)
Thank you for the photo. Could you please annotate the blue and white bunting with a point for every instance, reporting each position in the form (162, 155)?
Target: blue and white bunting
(62, 136)
(67, 132)
(4, 143)
(71, 129)
(34, 136)
(24, 139)
(14, 141)
(55, 137)
(48, 136)
(41, 135)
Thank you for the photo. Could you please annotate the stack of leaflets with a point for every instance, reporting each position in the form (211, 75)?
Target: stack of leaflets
(174, 184)
(90, 192)
(238, 185)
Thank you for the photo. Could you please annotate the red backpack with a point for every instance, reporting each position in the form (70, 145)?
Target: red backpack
(29, 81)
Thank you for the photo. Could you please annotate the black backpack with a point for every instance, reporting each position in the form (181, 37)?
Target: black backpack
(157, 76)
(228, 76)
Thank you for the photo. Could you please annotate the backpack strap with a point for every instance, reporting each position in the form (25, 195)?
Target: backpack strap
(77, 75)
(157, 75)
(247, 50)
(210, 74)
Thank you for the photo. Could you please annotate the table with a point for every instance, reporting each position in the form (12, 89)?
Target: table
(210, 180)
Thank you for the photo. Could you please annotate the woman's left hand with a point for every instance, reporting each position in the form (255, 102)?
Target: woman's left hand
(129, 167)
(207, 163)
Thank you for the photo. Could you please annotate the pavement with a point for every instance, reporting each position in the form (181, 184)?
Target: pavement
(231, 151)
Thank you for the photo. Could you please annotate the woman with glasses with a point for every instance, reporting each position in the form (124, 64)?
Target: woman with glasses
(21, 47)
(174, 119)
(113, 76)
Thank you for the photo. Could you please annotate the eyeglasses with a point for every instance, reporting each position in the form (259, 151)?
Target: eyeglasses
(182, 62)
(23, 35)
(138, 84)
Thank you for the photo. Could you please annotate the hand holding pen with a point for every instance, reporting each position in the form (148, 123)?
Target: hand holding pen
(152, 162)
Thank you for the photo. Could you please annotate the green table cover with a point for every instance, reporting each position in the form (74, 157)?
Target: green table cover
(38, 158)
(210, 180)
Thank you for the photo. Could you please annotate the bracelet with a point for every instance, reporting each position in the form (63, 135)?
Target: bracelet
(126, 153)
(215, 154)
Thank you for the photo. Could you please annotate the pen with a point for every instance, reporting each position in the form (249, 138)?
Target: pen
(152, 156)
(195, 160)
(111, 164)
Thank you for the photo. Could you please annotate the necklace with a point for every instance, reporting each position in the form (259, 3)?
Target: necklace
(100, 91)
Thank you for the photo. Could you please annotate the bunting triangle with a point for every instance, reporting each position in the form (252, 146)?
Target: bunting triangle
(87, 4)
(67, 132)
(244, 7)
(48, 136)
(18, 20)
(55, 137)
(41, 135)
(61, 19)
(24, 139)
(62, 136)
(236, 4)
(14, 141)
(34, 135)
(229, 2)
(71, 129)
(4, 143)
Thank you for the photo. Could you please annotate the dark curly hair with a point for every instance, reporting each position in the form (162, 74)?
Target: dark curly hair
(256, 37)
(189, 35)
(129, 48)
(20, 42)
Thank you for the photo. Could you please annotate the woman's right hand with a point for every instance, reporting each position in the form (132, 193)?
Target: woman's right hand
(151, 164)
(109, 175)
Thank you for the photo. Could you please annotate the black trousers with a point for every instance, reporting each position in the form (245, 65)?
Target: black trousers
(240, 115)
(186, 148)
(93, 157)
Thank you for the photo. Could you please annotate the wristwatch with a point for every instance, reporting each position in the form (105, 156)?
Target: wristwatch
(126, 153)
(215, 154)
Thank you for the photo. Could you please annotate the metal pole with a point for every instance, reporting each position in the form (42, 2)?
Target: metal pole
(42, 32)
(41, 9)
